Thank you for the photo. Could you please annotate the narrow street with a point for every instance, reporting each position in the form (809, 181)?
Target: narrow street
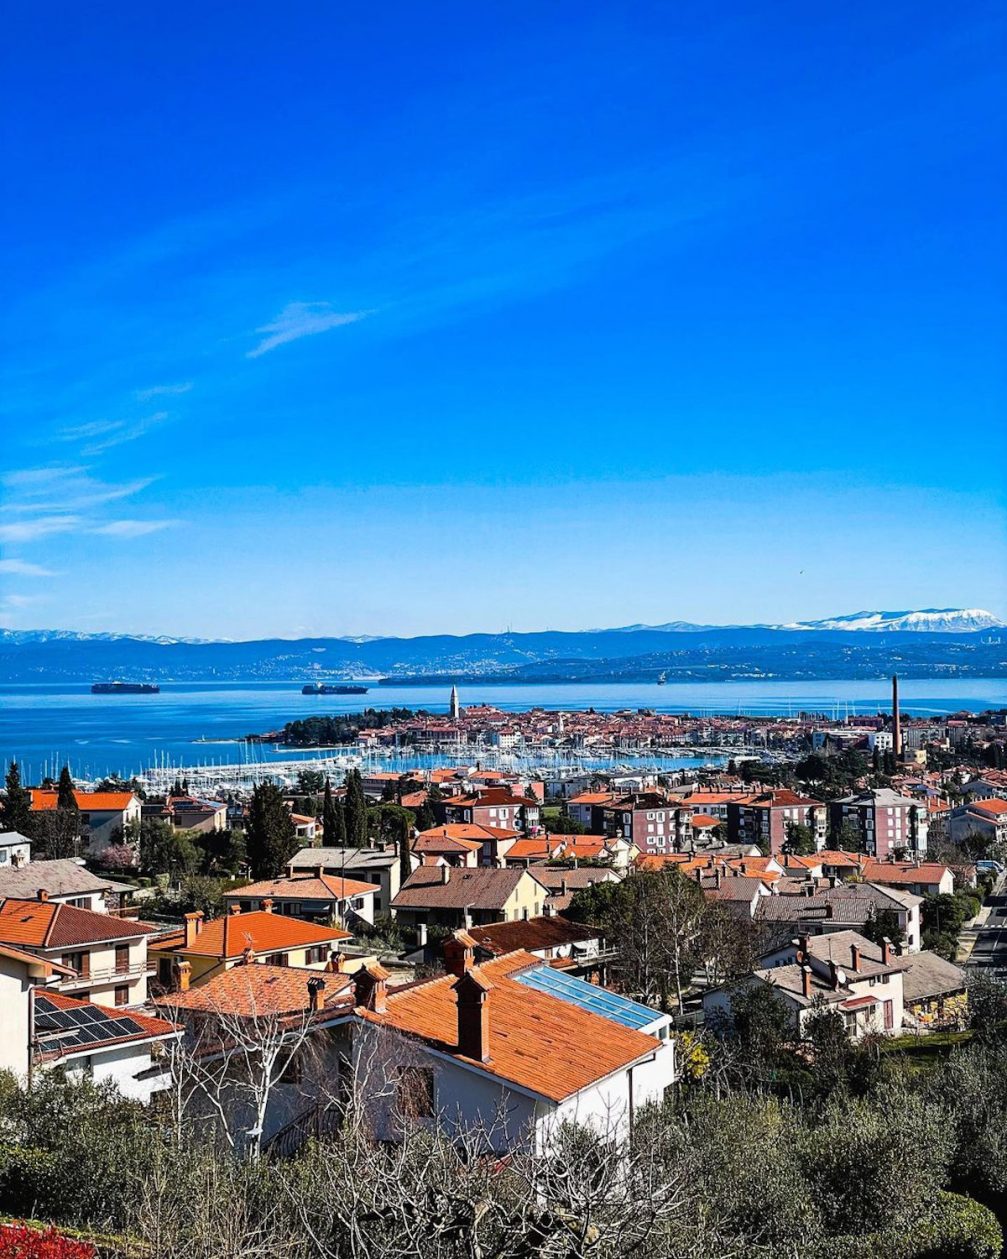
(985, 939)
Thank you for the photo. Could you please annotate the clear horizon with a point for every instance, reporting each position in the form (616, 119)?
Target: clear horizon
(344, 323)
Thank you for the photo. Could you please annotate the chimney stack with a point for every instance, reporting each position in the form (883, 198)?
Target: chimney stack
(886, 952)
(336, 962)
(370, 988)
(473, 1016)
(316, 994)
(42, 894)
(267, 905)
(459, 951)
(234, 908)
(806, 982)
(183, 974)
(896, 718)
(193, 926)
(854, 957)
(445, 873)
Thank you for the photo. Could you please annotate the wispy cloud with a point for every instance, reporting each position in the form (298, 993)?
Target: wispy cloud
(302, 319)
(21, 568)
(39, 527)
(132, 528)
(16, 602)
(125, 432)
(61, 489)
(161, 391)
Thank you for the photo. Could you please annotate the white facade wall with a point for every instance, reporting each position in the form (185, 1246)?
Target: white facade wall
(15, 1002)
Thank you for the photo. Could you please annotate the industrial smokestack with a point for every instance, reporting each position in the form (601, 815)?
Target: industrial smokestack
(896, 719)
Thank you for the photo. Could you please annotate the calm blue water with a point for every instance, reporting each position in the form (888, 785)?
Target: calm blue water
(46, 725)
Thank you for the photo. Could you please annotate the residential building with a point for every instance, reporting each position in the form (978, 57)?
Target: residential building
(66, 882)
(571, 946)
(309, 894)
(888, 823)
(651, 822)
(985, 818)
(498, 1049)
(190, 813)
(766, 819)
(924, 878)
(497, 807)
(816, 910)
(107, 955)
(845, 972)
(205, 949)
(380, 866)
(465, 844)
(455, 897)
(935, 993)
(15, 850)
(562, 883)
(103, 815)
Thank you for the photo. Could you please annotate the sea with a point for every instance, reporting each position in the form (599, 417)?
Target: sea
(45, 726)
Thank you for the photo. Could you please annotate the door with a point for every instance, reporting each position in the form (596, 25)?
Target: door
(889, 1017)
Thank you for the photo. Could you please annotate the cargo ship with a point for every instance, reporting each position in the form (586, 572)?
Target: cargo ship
(125, 688)
(324, 688)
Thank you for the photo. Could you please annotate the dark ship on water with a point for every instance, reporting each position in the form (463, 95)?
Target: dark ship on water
(125, 688)
(327, 688)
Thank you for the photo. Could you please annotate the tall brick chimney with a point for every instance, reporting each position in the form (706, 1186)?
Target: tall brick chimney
(806, 982)
(459, 951)
(474, 1016)
(896, 718)
(193, 926)
(370, 988)
(316, 994)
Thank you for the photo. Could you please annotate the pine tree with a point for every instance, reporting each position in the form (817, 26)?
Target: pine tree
(17, 804)
(333, 822)
(405, 835)
(355, 810)
(65, 799)
(271, 837)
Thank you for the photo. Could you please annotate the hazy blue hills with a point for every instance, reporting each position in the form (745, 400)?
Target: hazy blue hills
(930, 642)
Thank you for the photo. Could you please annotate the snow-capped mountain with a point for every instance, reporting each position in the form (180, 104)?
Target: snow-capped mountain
(926, 620)
(79, 636)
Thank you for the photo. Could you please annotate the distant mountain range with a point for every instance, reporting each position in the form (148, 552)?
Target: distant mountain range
(929, 642)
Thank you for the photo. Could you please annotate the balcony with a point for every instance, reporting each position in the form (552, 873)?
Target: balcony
(107, 975)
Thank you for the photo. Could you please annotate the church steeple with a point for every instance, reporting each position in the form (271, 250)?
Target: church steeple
(456, 711)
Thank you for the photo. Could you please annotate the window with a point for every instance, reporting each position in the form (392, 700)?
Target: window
(312, 956)
(80, 962)
(277, 959)
(122, 994)
(164, 969)
(416, 1092)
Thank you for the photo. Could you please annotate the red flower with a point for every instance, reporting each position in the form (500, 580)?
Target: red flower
(19, 1241)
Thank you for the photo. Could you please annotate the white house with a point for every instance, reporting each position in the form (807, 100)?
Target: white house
(842, 971)
(102, 957)
(41, 1029)
(509, 1049)
(15, 850)
(65, 880)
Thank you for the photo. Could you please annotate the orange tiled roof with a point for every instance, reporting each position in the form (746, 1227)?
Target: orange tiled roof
(259, 930)
(700, 821)
(87, 801)
(995, 806)
(903, 872)
(258, 990)
(53, 925)
(536, 1041)
(468, 832)
(304, 885)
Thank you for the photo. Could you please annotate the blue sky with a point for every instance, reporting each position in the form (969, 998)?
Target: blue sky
(325, 319)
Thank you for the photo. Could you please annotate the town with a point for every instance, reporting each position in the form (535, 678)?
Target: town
(499, 957)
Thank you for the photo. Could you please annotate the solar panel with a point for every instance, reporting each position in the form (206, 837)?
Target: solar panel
(587, 996)
(127, 1027)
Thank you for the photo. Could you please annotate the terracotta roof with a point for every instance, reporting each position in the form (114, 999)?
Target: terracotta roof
(483, 887)
(903, 872)
(700, 821)
(53, 925)
(553, 877)
(995, 807)
(491, 796)
(305, 886)
(468, 833)
(538, 1042)
(87, 801)
(263, 932)
(532, 934)
(258, 990)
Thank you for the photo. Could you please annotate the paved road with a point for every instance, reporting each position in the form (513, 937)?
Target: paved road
(989, 952)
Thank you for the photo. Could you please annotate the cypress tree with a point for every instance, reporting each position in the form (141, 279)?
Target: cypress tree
(405, 834)
(355, 810)
(17, 804)
(333, 822)
(65, 799)
(271, 838)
